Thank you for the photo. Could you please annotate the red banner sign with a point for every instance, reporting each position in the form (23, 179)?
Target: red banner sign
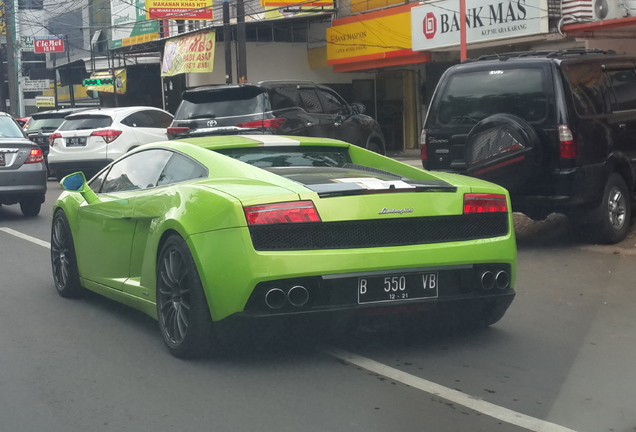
(48, 44)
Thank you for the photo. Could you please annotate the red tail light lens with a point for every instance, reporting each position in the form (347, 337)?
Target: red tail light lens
(266, 123)
(485, 203)
(35, 156)
(177, 130)
(109, 135)
(53, 137)
(423, 137)
(568, 147)
(290, 212)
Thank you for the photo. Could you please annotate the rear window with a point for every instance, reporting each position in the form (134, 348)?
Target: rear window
(9, 128)
(222, 103)
(470, 97)
(86, 122)
(297, 156)
(44, 124)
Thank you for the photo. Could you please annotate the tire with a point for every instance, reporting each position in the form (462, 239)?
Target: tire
(63, 258)
(612, 217)
(376, 147)
(503, 149)
(182, 309)
(30, 207)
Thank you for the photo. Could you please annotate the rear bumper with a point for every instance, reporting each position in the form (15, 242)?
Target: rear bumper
(28, 181)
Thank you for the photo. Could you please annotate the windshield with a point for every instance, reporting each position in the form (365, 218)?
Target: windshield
(222, 103)
(470, 97)
(9, 128)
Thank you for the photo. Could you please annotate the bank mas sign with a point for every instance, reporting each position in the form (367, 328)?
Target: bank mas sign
(435, 25)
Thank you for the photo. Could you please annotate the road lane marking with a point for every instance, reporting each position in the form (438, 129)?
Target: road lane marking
(455, 396)
(26, 237)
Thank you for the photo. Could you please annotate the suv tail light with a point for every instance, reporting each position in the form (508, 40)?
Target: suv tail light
(568, 147)
(484, 203)
(35, 156)
(289, 212)
(266, 123)
(174, 130)
(53, 137)
(423, 137)
(109, 135)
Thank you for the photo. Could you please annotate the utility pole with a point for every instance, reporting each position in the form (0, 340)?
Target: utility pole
(12, 59)
(227, 40)
(241, 39)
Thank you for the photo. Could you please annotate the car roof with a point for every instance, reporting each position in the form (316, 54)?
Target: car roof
(237, 141)
(62, 112)
(557, 56)
(261, 84)
(114, 112)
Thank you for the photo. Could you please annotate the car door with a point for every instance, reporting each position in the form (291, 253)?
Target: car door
(622, 121)
(340, 121)
(319, 124)
(106, 228)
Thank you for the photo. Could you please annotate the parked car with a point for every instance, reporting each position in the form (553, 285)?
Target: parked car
(275, 107)
(22, 120)
(558, 129)
(89, 140)
(42, 124)
(22, 169)
(203, 233)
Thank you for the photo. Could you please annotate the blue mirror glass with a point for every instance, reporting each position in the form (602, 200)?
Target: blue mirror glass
(73, 182)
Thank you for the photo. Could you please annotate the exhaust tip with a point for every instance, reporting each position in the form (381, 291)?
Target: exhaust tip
(503, 280)
(298, 296)
(488, 280)
(275, 298)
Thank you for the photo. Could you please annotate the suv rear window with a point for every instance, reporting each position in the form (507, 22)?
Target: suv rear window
(45, 124)
(470, 97)
(222, 102)
(86, 122)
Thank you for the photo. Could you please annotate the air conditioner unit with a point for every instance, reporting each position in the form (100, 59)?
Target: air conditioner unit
(609, 9)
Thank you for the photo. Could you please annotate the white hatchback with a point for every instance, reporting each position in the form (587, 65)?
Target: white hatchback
(89, 140)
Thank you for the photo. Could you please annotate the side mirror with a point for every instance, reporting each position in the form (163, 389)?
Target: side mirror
(76, 182)
(358, 108)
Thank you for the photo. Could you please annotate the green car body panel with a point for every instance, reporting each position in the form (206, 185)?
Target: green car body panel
(118, 236)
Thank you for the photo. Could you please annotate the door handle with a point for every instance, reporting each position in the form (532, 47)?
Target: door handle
(310, 124)
(622, 126)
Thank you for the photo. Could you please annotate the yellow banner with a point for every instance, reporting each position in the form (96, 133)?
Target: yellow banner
(179, 9)
(3, 23)
(120, 81)
(369, 38)
(189, 54)
(292, 3)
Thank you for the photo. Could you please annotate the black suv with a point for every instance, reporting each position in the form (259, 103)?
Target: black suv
(275, 107)
(558, 129)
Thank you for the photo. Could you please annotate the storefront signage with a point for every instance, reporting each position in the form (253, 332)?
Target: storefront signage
(26, 43)
(3, 23)
(179, 9)
(436, 24)
(129, 23)
(45, 101)
(364, 40)
(48, 44)
(296, 3)
(189, 54)
(105, 82)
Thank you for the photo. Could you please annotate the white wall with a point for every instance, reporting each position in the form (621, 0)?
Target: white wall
(272, 61)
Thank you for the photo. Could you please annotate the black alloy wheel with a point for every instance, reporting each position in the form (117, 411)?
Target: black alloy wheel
(182, 310)
(63, 258)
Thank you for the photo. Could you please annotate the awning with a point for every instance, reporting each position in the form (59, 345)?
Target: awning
(611, 29)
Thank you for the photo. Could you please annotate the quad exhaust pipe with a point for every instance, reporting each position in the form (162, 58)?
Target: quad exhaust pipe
(297, 296)
(490, 280)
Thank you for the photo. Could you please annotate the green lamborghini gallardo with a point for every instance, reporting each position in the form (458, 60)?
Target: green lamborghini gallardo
(202, 232)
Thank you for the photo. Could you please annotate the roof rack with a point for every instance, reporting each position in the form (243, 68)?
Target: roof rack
(545, 53)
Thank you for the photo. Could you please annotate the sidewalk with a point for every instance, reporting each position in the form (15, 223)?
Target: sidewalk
(408, 156)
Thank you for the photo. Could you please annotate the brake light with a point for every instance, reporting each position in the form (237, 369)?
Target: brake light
(568, 147)
(289, 212)
(109, 135)
(35, 156)
(423, 137)
(53, 137)
(265, 123)
(484, 203)
(174, 130)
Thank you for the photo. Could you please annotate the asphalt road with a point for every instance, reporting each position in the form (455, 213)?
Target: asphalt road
(562, 359)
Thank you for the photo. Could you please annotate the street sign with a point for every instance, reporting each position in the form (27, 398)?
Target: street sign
(45, 101)
(35, 85)
(48, 44)
(26, 43)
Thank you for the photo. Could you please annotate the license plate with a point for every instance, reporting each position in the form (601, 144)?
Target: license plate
(75, 142)
(2, 159)
(411, 286)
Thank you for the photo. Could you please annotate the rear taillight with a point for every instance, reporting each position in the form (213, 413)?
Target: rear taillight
(53, 137)
(35, 156)
(266, 123)
(174, 130)
(109, 135)
(423, 137)
(289, 212)
(568, 147)
(484, 203)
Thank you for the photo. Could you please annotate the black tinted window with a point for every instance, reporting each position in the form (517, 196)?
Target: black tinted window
(333, 104)
(148, 119)
(470, 97)
(587, 86)
(624, 86)
(86, 122)
(310, 101)
(290, 156)
(137, 171)
(181, 168)
(283, 97)
(222, 103)
(44, 124)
